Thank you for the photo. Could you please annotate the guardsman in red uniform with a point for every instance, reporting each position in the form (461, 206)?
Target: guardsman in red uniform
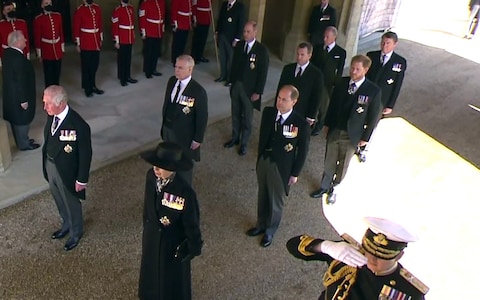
(181, 24)
(9, 24)
(202, 16)
(88, 34)
(152, 26)
(49, 42)
(123, 33)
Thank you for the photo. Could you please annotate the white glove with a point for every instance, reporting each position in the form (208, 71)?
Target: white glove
(343, 252)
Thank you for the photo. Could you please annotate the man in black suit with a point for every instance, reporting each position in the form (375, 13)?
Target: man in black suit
(352, 115)
(18, 90)
(67, 155)
(185, 112)
(282, 150)
(322, 16)
(387, 70)
(248, 77)
(228, 33)
(330, 58)
(308, 79)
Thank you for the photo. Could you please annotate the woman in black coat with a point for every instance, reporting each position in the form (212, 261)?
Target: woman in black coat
(171, 230)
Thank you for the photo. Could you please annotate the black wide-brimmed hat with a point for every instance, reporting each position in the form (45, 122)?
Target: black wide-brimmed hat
(168, 156)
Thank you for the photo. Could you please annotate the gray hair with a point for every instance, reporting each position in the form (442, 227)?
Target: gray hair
(333, 29)
(185, 57)
(14, 37)
(58, 94)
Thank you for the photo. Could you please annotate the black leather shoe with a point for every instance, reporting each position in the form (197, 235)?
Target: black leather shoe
(31, 141)
(149, 76)
(131, 80)
(266, 240)
(315, 132)
(155, 73)
(88, 94)
(254, 231)
(32, 146)
(71, 243)
(227, 84)
(59, 234)
(219, 79)
(123, 83)
(230, 143)
(204, 59)
(318, 193)
(97, 91)
(242, 151)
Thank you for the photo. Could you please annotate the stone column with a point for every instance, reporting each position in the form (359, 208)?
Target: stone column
(257, 13)
(297, 33)
(349, 25)
(5, 155)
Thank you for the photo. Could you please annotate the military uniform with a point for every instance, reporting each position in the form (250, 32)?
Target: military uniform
(181, 17)
(49, 45)
(123, 20)
(152, 27)
(7, 26)
(382, 240)
(88, 34)
(202, 17)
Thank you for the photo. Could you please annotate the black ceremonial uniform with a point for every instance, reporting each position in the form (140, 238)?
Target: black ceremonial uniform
(345, 282)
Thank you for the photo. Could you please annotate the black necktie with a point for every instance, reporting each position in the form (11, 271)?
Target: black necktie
(175, 99)
(326, 48)
(246, 48)
(299, 72)
(229, 5)
(384, 59)
(55, 122)
(278, 122)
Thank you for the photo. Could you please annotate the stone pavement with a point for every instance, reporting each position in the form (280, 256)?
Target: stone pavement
(422, 170)
(122, 120)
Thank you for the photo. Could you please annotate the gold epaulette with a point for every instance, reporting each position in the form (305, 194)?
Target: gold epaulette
(414, 281)
(305, 240)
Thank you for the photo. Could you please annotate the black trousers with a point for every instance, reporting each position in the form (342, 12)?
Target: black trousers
(124, 61)
(89, 62)
(179, 43)
(51, 71)
(225, 54)
(151, 53)
(200, 34)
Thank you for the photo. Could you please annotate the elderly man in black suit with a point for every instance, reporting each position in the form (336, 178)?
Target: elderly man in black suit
(308, 79)
(18, 91)
(282, 150)
(185, 112)
(228, 33)
(330, 58)
(352, 115)
(248, 77)
(387, 70)
(67, 155)
(322, 16)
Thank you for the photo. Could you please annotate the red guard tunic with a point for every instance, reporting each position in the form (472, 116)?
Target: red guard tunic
(152, 18)
(48, 36)
(88, 27)
(123, 19)
(182, 14)
(202, 12)
(8, 26)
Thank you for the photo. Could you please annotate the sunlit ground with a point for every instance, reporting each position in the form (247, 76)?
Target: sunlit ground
(414, 180)
(441, 24)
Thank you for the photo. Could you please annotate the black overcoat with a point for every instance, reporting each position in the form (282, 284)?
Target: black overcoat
(169, 218)
(18, 87)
